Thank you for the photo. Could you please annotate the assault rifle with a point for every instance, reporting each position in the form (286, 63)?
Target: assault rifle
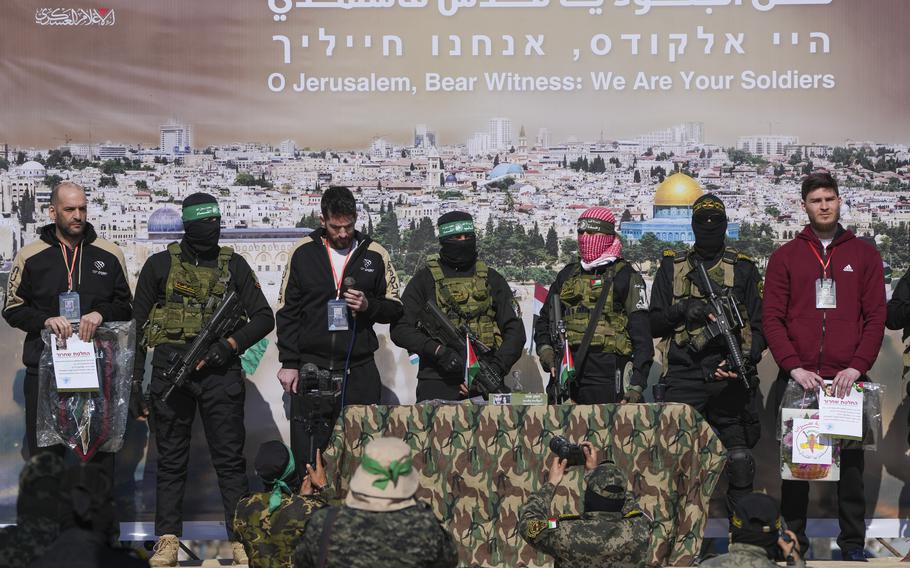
(557, 393)
(439, 327)
(726, 321)
(223, 321)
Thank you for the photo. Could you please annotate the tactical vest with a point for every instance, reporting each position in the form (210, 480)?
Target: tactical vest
(579, 293)
(722, 273)
(190, 296)
(467, 300)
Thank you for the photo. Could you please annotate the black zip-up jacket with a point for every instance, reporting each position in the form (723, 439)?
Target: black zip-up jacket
(747, 289)
(601, 367)
(421, 288)
(306, 289)
(899, 307)
(150, 291)
(39, 276)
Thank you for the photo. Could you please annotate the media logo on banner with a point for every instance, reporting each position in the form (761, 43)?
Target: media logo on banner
(75, 17)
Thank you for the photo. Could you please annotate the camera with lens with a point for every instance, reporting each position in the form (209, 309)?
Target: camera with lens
(566, 450)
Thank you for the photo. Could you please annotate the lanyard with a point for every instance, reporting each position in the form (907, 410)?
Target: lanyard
(335, 277)
(823, 263)
(69, 266)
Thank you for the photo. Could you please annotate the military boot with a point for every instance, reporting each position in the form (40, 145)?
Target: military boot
(165, 551)
(240, 556)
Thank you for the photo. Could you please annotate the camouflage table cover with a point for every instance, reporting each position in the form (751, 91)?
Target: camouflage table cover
(477, 464)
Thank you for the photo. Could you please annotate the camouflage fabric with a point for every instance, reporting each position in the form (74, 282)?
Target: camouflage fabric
(618, 540)
(478, 464)
(37, 525)
(269, 540)
(407, 538)
(744, 556)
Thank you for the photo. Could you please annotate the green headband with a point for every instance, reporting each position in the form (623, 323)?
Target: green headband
(395, 470)
(596, 225)
(201, 211)
(279, 485)
(456, 228)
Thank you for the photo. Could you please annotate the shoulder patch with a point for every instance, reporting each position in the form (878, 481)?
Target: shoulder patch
(742, 256)
(535, 527)
(632, 514)
(669, 253)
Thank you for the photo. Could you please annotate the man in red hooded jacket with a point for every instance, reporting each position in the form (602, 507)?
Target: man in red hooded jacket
(824, 317)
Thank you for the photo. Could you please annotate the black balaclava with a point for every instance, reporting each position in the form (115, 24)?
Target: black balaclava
(460, 255)
(87, 499)
(606, 489)
(756, 521)
(201, 234)
(271, 464)
(709, 223)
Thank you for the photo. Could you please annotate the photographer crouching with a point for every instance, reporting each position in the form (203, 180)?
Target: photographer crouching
(611, 530)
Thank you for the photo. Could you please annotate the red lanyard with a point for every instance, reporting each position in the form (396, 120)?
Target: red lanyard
(70, 266)
(820, 261)
(335, 276)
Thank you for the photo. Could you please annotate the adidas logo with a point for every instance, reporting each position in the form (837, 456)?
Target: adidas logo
(848, 268)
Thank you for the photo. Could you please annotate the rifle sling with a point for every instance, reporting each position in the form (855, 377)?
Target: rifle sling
(326, 537)
(592, 324)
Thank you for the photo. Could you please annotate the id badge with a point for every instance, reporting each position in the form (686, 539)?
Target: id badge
(825, 293)
(338, 315)
(69, 306)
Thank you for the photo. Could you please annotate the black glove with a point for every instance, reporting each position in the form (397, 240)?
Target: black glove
(449, 360)
(219, 353)
(547, 356)
(138, 406)
(696, 312)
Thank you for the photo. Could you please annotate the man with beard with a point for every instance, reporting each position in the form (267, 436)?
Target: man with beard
(337, 284)
(824, 318)
(620, 332)
(697, 367)
(177, 291)
(755, 536)
(468, 292)
(68, 277)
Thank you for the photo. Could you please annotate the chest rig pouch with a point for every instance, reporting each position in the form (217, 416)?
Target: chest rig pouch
(722, 274)
(467, 300)
(191, 294)
(579, 294)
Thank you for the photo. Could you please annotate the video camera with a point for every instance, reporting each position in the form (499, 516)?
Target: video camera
(566, 450)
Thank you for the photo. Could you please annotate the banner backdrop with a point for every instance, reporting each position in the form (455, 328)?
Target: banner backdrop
(523, 112)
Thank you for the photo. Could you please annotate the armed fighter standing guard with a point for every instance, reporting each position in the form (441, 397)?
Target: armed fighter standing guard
(181, 293)
(337, 284)
(603, 320)
(474, 298)
(699, 363)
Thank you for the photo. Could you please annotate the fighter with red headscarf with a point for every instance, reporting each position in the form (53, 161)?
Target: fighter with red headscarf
(601, 343)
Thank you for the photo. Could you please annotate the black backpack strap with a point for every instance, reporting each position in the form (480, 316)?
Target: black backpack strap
(326, 537)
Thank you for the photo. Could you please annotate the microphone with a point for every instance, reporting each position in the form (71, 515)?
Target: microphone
(347, 283)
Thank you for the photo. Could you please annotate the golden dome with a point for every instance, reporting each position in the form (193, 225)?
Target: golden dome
(678, 190)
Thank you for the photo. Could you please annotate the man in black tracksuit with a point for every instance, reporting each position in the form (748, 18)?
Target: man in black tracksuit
(68, 257)
(337, 284)
(177, 291)
(467, 291)
(697, 372)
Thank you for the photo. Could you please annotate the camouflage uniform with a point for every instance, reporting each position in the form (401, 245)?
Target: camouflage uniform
(408, 537)
(37, 525)
(269, 539)
(744, 556)
(596, 538)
